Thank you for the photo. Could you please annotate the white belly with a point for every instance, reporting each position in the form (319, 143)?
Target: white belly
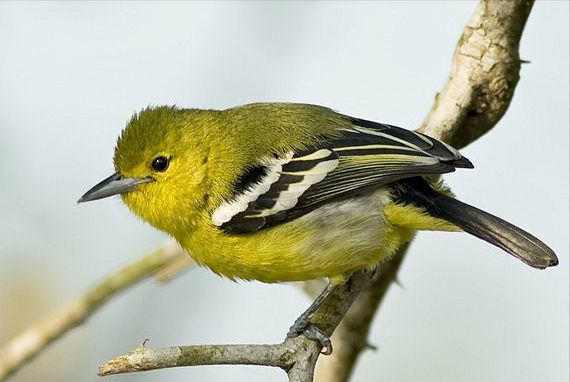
(348, 232)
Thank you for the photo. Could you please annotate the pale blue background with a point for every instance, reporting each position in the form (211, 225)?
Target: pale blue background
(72, 73)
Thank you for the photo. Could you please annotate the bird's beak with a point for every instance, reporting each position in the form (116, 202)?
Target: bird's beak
(113, 185)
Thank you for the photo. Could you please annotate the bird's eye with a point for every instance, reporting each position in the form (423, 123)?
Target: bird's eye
(160, 163)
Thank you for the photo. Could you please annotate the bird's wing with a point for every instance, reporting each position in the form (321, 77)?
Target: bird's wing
(366, 155)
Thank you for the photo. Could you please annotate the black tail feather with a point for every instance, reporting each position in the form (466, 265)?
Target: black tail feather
(481, 224)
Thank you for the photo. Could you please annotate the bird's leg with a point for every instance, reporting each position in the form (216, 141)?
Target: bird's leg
(303, 325)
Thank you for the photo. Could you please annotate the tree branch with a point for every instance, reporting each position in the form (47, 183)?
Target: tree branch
(351, 336)
(143, 358)
(296, 356)
(476, 95)
(484, 74)
(31, 342)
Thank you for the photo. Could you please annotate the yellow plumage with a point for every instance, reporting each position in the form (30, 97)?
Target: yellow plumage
(289, 192)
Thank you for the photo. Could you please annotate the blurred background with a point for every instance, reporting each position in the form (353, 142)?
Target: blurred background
(71, 75)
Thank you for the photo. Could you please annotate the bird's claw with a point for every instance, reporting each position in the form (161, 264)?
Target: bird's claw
(312, 332)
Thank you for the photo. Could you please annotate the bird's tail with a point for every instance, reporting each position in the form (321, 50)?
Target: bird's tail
(517, 242)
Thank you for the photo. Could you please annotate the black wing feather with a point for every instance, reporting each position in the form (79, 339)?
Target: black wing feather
(366, 156)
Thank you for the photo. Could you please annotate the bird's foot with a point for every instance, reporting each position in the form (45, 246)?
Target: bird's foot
(312, 332)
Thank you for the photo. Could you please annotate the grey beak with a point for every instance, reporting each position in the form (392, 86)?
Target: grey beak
(113, 185)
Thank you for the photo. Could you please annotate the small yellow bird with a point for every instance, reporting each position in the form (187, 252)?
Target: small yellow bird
(288, 192)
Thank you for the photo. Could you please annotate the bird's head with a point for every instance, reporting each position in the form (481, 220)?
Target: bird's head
(161, 161)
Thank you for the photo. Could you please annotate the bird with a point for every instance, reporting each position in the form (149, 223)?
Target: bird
(280, 192)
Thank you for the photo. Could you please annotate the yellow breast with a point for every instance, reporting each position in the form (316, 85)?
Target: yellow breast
(338, 238)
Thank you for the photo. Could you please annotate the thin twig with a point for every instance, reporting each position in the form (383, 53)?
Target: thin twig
(36, 338)
(143, 358)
